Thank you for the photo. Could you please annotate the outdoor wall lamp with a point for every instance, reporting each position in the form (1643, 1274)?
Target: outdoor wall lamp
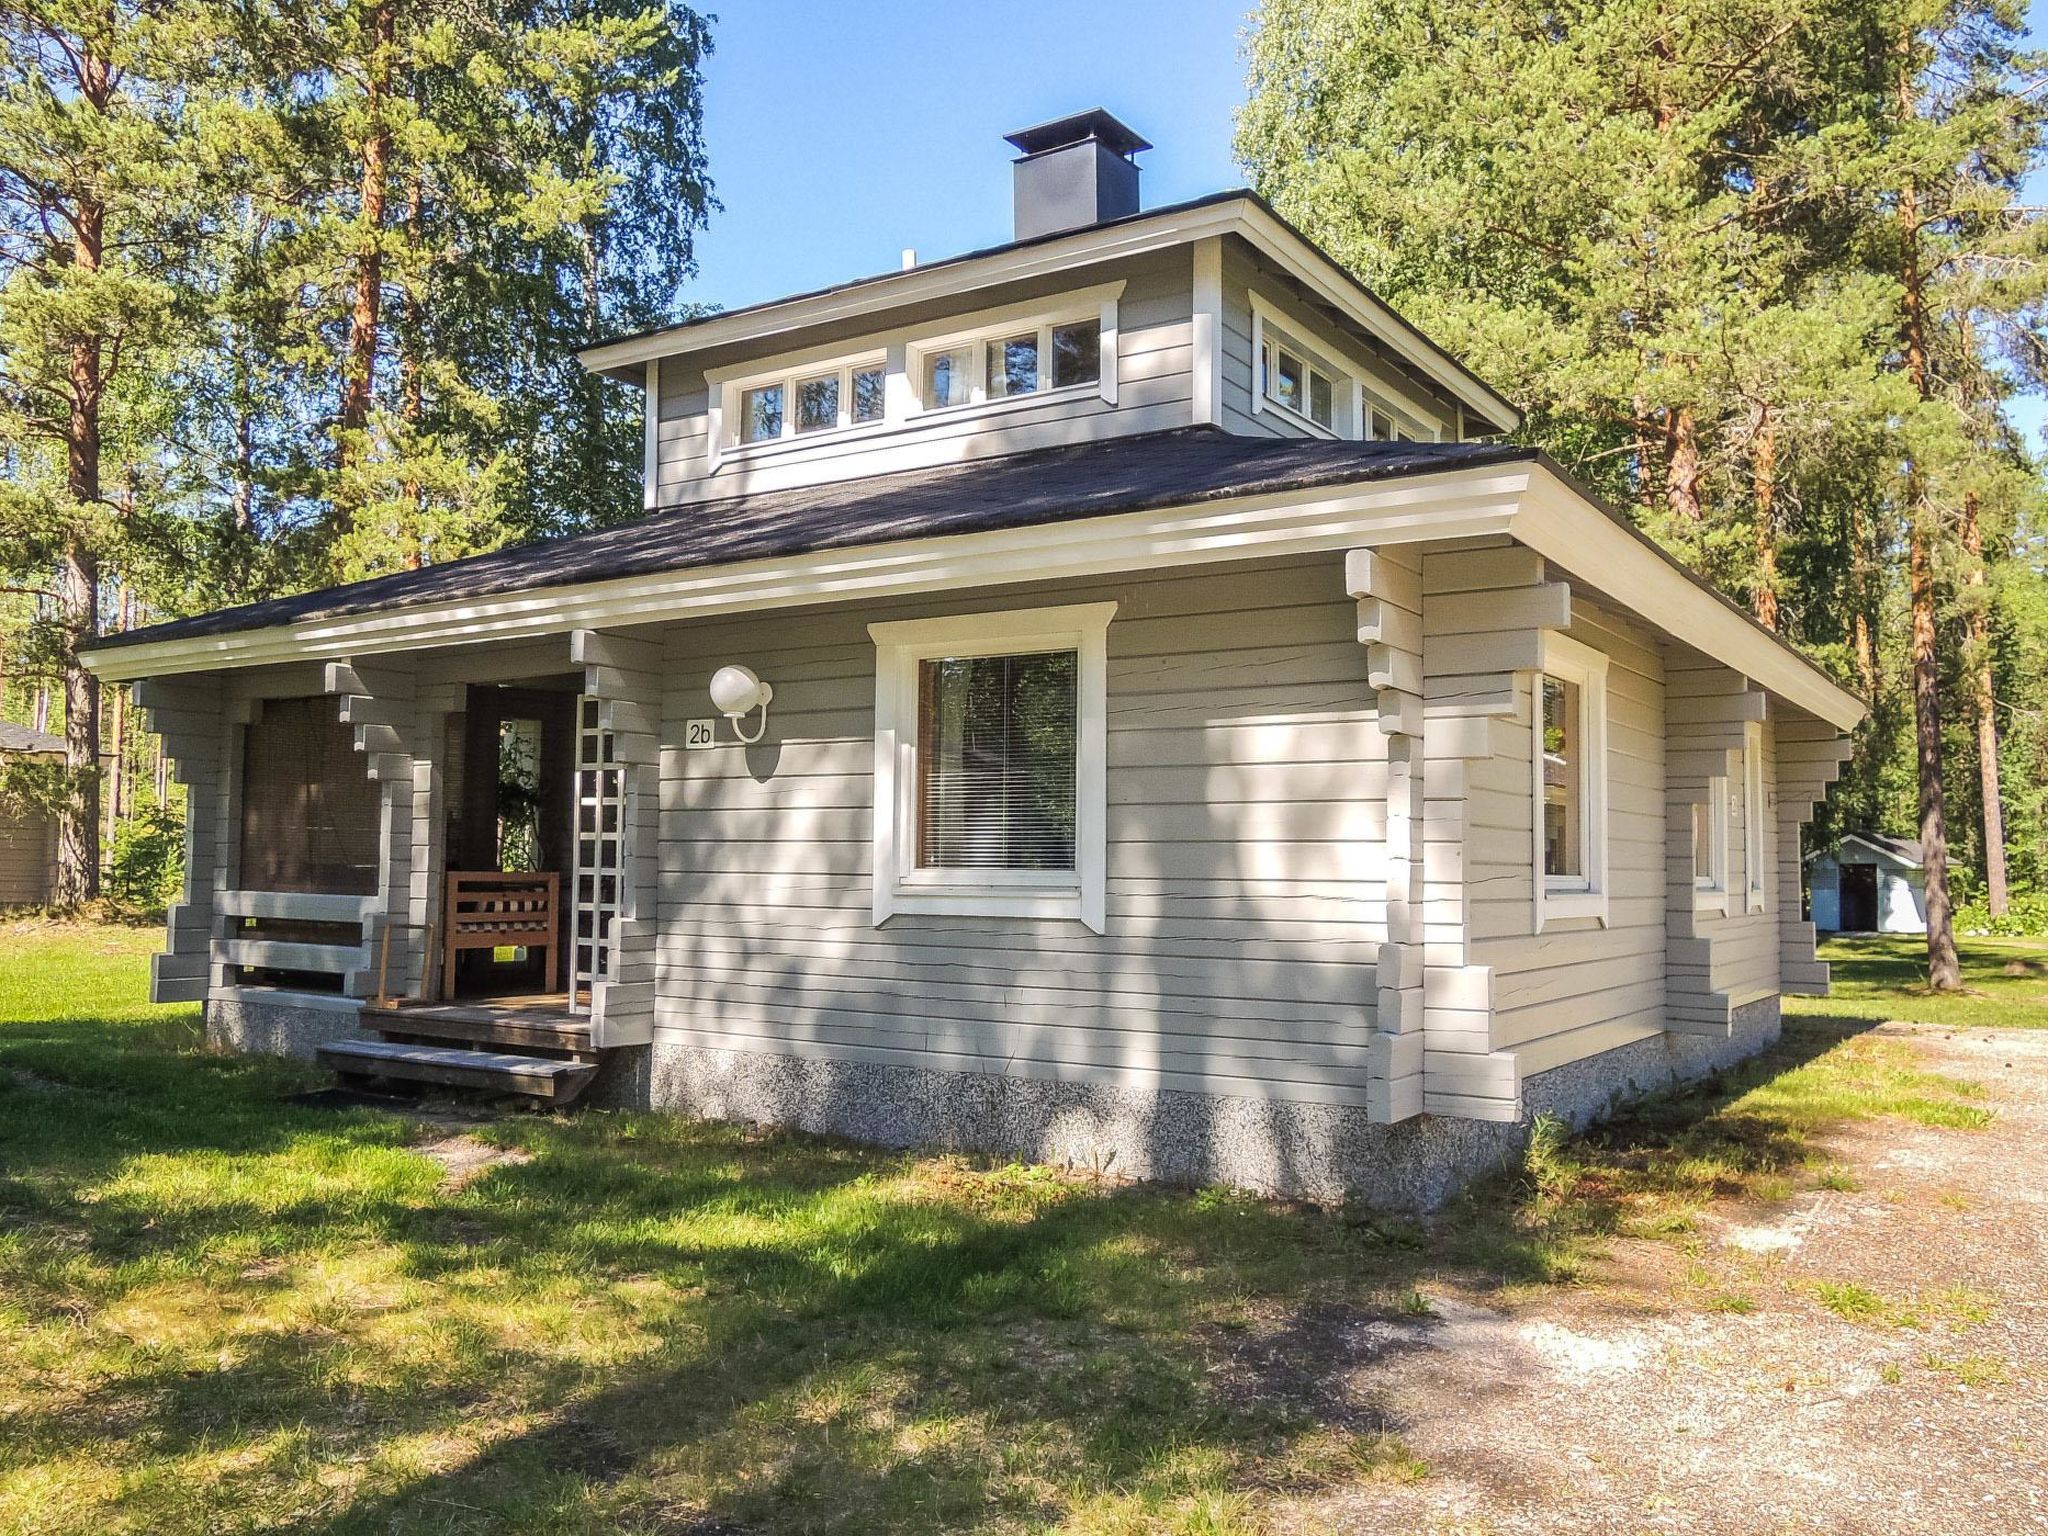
(736, 692)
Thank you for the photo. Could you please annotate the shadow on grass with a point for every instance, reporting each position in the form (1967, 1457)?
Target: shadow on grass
(655, 1325)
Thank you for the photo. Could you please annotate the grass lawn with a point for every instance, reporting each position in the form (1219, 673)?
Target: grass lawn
(2005, 983)
(222, 1311)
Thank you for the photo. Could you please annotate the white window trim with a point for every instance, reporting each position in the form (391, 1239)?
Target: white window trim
(650, 448)
(1312, 358)
(731, 389)
(901, 887)
(1754, 808)
(1559, 897)
(1348, 370)
(1710, 892)
(975, 331)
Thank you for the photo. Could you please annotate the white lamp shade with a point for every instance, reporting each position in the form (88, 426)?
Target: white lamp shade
(736, 690)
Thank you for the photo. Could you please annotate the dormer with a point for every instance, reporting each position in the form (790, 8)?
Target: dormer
(1098, 319)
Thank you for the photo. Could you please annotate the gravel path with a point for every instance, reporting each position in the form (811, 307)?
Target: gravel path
(1631, 1406)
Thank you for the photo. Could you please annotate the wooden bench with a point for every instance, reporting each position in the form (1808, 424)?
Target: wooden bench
(486, 909)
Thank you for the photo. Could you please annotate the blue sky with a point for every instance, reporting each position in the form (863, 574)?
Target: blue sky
(841, 133)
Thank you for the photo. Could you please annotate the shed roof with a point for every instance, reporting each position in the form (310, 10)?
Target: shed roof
(1902, 849)
(22, 741)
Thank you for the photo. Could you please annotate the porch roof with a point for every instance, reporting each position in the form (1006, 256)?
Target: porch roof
(1183, 466)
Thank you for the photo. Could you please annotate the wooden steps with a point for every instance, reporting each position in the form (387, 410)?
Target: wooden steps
(552, 1079)
(531, 1047)
(510, 1024)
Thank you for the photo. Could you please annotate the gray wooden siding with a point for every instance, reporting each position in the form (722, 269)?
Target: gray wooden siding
(1578, 987)
(1246, 857)
(1155, 390)
(28, 857)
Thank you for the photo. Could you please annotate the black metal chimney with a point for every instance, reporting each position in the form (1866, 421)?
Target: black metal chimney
(1073, 172)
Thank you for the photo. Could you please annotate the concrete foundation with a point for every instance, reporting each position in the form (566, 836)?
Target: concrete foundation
(281, 1028)
(1326, 1153)
(1322, 1152)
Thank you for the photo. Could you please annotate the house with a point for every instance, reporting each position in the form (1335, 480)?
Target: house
(1869, 883)
(28, 835)
(1112, 697)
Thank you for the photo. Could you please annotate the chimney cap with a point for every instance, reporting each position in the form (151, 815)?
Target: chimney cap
(1079, 128)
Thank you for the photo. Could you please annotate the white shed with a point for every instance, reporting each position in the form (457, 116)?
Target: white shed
(28, 839)
(1869, 883)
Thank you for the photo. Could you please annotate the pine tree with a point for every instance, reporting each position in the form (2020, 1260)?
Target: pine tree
(101, 151)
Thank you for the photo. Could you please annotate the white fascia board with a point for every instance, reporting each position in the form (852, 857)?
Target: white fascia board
(1524, 501)
(921, 284)
(1579, 538)
(1469, 503)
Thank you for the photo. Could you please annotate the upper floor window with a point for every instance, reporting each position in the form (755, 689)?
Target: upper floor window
(1290, 381)
(1011, 362)
(815, 400)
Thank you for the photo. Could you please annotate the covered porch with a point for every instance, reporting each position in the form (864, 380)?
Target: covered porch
(438, 851)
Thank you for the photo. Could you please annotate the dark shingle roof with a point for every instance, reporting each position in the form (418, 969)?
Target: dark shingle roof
(19, 738)
(1050, 485)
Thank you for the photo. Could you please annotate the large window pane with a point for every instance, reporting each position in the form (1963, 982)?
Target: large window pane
(1703, 871)
(817, 403)
(1013, 366)
(869, 385)
(1321, 401)
(761, 414)
(1077, 353)
(1563, 781)
(996, 762)
(1289, 384)
(946, 378)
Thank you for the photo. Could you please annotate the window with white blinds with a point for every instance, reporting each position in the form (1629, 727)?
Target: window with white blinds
(991, 764)
(996, 761)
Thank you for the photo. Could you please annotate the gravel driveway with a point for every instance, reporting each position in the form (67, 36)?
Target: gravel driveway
(1638, 1403)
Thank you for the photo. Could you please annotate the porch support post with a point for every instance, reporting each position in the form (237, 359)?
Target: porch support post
(624, 674)
(379, 699)
(191, 716)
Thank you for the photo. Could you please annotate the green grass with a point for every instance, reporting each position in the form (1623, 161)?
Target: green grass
(220, 1310)
(2005, 983)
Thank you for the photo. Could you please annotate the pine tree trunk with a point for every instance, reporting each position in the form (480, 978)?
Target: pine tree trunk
(1763, 474)
(1944, 971)
(78, 585)
(1683, 470)
(359, 369)
(1862, 632)
(1985, 701)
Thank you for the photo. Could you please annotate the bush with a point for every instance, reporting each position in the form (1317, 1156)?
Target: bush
(2025, 917)
(148, 864)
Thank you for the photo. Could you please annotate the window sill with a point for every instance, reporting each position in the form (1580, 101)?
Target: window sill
(974, 410)
(1560, 906)
(775, 447)
(1710, 901)
(1033, 903)
(1758, 902)
(1289, 414)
